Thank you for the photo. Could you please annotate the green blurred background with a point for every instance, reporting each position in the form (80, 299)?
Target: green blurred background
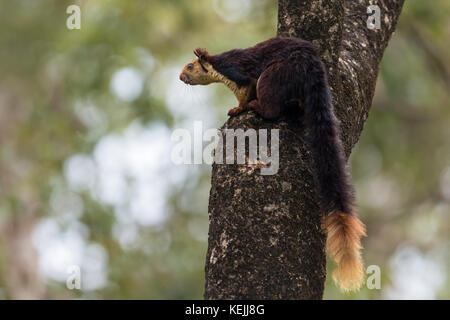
(85, 172)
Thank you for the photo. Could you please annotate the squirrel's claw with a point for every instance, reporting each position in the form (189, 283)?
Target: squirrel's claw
(235, 111)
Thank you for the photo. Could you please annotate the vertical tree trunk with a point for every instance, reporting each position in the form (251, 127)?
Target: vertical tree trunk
(265, 239)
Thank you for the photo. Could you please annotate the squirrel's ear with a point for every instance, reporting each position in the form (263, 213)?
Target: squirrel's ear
(202, 54)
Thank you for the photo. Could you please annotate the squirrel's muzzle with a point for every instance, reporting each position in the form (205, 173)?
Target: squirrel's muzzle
(185, 78)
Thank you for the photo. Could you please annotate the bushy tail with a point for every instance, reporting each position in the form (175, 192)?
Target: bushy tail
(332, 178)
(344, 233)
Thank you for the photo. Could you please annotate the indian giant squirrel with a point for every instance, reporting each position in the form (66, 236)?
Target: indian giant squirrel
(264, 78)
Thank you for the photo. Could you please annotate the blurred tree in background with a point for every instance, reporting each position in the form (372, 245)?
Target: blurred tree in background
(86, 176)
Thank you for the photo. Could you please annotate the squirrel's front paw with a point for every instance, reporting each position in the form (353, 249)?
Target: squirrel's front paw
(235, 111)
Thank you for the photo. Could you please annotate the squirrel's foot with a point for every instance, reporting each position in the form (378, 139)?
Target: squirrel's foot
(235, 111)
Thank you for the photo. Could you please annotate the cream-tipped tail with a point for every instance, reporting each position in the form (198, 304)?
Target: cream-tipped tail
(343, 242)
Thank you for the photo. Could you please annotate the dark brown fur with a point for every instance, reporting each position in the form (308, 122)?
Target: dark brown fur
(282, 70)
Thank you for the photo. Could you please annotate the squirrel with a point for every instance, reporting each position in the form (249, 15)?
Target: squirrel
(264, 78)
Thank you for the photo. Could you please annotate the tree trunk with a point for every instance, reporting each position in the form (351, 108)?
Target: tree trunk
(265, 237)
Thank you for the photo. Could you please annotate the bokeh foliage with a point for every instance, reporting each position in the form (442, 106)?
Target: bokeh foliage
(49, 74)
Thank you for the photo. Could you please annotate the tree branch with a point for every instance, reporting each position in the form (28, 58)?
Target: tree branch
(359, 59)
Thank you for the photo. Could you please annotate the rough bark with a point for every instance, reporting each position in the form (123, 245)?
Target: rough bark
(265, 239)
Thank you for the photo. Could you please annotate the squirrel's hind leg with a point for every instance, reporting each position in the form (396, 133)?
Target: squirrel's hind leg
(269, 93)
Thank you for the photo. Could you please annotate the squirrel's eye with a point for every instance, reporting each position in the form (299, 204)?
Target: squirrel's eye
(190, 66)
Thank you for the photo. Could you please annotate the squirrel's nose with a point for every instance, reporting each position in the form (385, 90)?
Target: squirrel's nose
(182, 77)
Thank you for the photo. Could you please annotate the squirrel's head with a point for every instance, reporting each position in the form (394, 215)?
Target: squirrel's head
(199, 70)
